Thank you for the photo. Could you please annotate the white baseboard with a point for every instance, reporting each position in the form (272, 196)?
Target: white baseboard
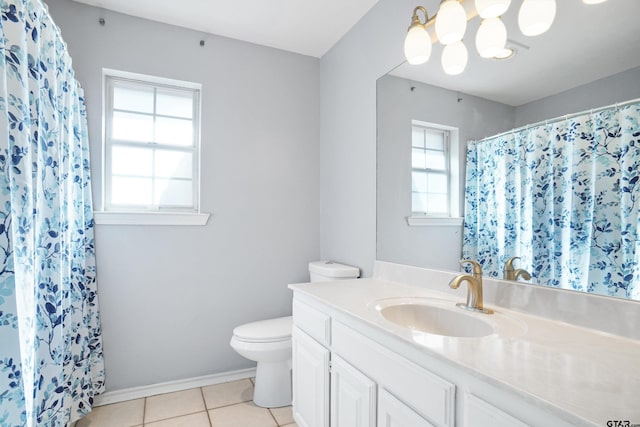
(171, 386)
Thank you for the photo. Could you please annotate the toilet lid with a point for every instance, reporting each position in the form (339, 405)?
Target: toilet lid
(266, 330)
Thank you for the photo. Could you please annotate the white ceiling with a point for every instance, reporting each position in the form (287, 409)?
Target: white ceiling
(306, 27)
(584, 44)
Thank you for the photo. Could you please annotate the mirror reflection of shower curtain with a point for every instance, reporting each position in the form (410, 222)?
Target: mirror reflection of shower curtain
(563, 196)
(51, 362)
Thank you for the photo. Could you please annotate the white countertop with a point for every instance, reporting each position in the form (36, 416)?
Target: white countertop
(591, 376)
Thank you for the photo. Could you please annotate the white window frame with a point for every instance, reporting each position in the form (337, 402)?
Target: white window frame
(148, 215)
(452, 153)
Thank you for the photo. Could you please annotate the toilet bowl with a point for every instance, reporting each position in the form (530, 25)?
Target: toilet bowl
(268, 342)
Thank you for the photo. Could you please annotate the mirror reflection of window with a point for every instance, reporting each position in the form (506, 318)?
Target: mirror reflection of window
(430, 171)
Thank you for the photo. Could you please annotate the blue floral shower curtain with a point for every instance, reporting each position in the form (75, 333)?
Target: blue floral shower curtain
(565, 197)
(50, 343)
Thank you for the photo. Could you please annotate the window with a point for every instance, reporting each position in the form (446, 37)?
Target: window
(434, 171)
(152, 147)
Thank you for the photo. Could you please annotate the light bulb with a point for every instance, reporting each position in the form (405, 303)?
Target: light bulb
(454, 58)
(451, 22)
(536, 16)
(417, 45)
(492, 8)
(491, 37)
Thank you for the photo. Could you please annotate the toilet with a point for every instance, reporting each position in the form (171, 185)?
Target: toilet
(268, 342)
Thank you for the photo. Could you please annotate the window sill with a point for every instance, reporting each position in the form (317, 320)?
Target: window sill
(150, 218)
(423, 221)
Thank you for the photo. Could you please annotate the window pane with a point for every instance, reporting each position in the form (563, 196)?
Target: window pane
(437, 183)
(434, 140)
(437, 204)
(436, 160)
(131, 191)
(133, 98)
(132, 127)
(417, 137)
(419, 182)
(174, 131)
(131, 161)
(174, 103)
(174, 164)
(173, 192)
(419, 202)
(418, 159)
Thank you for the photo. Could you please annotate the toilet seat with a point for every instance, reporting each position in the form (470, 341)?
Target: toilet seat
(265, 331)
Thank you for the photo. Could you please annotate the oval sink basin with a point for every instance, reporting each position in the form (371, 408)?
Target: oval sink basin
(436, 320)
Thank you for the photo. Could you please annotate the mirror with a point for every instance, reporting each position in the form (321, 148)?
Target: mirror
(571, 68)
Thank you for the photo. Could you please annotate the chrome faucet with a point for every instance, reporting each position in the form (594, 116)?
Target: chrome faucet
(474, 287)
(511, 273)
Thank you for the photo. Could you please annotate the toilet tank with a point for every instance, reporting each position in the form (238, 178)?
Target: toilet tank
(323, 271)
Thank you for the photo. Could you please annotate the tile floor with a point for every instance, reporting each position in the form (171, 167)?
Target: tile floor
(221, 405)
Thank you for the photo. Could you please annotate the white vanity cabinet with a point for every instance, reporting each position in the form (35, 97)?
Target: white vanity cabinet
(344, 376)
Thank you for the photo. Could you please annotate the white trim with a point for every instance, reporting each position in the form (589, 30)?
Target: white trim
(171, 386)
(427, 221)
(150, 218)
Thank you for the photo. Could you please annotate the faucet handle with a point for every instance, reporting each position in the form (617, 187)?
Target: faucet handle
(477, 268)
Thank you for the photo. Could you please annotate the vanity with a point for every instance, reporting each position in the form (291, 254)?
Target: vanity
(394, 350)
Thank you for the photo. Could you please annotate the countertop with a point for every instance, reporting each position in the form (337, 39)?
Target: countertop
(591, 376)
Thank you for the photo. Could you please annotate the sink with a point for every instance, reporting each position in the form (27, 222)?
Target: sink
(433, 319)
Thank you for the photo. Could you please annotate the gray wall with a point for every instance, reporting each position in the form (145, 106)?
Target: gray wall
(607, 91)
(397, 105)
(348, 74)
(170, 296)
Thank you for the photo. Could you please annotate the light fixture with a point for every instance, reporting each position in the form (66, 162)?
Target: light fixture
(491, 8)
(417, 44)
(536, 16)
(451, 22)
(491, 37)
(454, 58)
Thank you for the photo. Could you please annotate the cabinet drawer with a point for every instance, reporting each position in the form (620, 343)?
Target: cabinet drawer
(314, 322)
(478, 413)
(428, 394)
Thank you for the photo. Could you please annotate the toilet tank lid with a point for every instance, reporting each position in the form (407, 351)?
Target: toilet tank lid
(265, 330)
(333, 269)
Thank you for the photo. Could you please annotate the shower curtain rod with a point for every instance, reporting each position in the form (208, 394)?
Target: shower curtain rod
(565, 117)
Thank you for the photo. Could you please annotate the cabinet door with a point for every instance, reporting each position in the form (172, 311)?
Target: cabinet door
(310, 381)
(394, 413)
(353, 396)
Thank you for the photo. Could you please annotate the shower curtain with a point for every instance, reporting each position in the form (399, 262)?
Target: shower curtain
(50, 343)
(563, 196)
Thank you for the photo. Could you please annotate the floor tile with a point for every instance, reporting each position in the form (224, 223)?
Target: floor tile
(282, 415)
(229, 393)
(291, 425)
(200, 419)
(245, 414)
(123, 414)
(172, 405)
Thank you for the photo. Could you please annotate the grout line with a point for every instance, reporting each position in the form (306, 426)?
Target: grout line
(144, 410)
(206, 409)
(273, 416)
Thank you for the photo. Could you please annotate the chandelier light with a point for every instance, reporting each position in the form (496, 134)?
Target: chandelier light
(534, 18)
(491, 37)
(417, 44)
(451, 22)
(454, 58)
